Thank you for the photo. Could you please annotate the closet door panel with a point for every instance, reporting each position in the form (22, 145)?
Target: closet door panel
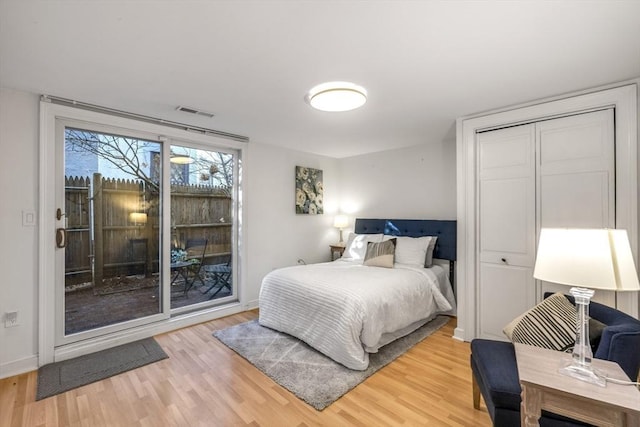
(578, 200)
(507, 196)
(505, 153)
(576, 143)
(506, 218)
(576, 178)
(505, 293)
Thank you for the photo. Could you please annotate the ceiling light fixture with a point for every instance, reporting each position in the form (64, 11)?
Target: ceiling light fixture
(337, 96)
(181, 159)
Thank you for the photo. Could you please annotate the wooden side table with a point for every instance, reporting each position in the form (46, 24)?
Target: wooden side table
(337, 248)
(543, 387)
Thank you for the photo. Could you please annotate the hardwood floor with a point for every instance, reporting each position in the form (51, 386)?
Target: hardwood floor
(204, 383)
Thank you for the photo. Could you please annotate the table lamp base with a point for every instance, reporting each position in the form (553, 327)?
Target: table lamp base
(584, 373)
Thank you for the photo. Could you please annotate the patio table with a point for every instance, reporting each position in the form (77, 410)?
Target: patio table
(181, 269)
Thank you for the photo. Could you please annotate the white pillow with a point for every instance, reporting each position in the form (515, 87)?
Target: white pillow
(356, 246)
(412, 250)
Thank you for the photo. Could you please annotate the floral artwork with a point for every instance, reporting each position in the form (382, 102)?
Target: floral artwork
(309, 191)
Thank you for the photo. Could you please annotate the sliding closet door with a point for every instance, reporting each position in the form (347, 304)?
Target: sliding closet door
(507, 227)
(553, 173)
(576, 177)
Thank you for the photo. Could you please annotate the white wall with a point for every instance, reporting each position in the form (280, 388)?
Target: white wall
(19, 248)
(277, 236)
(417, 182)
(411, 183)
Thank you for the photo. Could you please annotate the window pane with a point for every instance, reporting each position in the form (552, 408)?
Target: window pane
(112, 202)
(201, 225)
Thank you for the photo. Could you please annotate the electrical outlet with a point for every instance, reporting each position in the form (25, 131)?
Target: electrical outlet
(10, 319)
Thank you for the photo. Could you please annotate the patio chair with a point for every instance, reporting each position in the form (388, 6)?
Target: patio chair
(221, 277)
(196, 249)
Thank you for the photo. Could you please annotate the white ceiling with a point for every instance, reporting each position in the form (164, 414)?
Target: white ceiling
(423, 63)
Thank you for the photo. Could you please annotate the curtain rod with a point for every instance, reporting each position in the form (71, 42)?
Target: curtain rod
(143, 118)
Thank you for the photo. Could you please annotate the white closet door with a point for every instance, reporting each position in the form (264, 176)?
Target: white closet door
(554, 173)
(507, 227)
(576, 178)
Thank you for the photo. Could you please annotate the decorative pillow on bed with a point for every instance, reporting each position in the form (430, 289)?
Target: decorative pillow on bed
(380, 254)
(550, 324)
(412, 250)
(356, 246)
(428, 260)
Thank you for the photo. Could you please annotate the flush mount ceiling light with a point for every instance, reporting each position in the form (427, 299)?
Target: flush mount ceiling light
(337, 96)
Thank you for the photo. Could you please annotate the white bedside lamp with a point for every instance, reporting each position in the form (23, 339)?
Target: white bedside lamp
(340, 222)
(586, 259)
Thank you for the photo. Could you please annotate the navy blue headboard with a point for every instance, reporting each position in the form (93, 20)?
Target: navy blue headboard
(444, 230)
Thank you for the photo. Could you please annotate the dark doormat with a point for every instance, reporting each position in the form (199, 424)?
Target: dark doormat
(62, 376)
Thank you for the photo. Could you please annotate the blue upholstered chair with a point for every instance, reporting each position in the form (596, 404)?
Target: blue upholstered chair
(495, 373)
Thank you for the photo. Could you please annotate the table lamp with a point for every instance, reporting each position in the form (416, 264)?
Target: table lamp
(340, 222)
(586, 259)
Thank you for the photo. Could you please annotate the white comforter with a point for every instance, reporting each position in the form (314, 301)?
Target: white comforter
(346, 310)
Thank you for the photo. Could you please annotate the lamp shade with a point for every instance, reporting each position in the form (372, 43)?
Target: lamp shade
(340, 221)
(588, 258)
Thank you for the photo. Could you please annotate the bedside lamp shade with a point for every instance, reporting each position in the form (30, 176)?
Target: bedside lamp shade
(589, 258)
(340, 221)
(586, 259)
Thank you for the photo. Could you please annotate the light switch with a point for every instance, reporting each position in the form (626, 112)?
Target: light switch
(10, 319)
(28, 218)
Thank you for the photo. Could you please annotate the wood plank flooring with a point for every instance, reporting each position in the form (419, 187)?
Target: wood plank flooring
(204, 383)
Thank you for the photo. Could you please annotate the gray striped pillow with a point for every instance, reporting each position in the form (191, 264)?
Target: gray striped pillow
(380, 254)
(550, 324)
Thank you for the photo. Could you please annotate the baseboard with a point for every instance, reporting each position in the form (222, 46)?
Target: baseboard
(458, 334)
(251, 305)
(18, 367)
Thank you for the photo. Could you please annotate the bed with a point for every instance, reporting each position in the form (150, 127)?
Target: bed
(346, 309)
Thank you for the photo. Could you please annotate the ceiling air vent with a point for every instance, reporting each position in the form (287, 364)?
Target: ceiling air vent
(194, 111)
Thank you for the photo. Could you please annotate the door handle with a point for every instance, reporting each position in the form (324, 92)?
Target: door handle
(61, 237)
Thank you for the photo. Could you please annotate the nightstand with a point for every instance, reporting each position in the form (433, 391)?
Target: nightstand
(337, 248)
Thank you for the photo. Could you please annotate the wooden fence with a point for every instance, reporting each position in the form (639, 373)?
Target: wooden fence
(125, 244)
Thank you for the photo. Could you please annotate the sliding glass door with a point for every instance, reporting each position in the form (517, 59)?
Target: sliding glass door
(116, 191)
(108, 234)
(202, 219)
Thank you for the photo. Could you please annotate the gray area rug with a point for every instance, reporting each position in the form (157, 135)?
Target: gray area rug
(305, 372)
(59, 377)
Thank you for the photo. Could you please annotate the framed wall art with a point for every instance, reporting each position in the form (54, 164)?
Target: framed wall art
(309, 191)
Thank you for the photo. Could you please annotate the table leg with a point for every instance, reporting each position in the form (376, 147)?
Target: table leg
(531, 407)
(187, 285)
(633, 419)
(175, 274)
(182, 272)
